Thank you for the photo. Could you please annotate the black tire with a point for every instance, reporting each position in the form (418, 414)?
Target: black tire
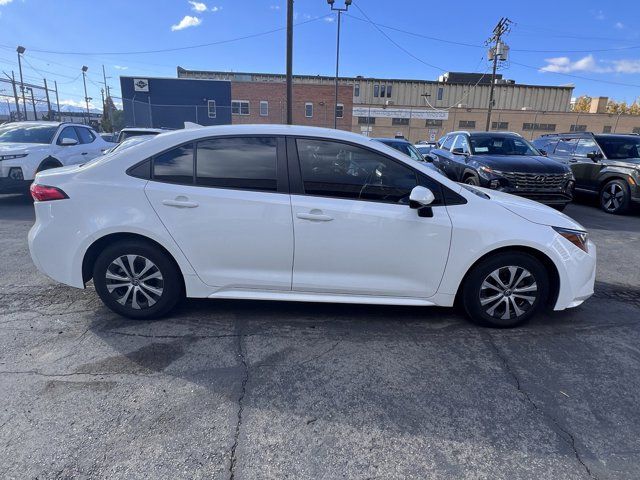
(615, 197)
(48, 163)
(169, 283)
(473, 293)
(472, 180)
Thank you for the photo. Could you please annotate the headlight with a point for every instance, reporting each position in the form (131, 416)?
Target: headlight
(578, 237)
(10, 157)
(485, 171)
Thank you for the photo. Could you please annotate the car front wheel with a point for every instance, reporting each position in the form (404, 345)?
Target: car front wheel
(137, 280)
(505, 290)
(615, 197)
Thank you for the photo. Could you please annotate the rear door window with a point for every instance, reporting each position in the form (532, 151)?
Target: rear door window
(174, 166)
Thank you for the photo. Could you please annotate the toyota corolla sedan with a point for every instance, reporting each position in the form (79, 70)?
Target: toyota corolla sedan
(272, 212)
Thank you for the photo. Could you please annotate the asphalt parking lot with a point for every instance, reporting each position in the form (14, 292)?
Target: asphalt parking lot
(240, 389)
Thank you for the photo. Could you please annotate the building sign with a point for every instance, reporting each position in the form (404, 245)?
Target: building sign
(421, 113)
(140, 85)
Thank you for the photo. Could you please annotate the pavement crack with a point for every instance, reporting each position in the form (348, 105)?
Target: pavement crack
(561, 431)
(243, 390)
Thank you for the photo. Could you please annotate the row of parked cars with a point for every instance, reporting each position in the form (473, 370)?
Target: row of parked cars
(550, 170)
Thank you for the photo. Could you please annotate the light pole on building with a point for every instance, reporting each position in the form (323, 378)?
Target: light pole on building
(339, 10)
(20, 51)
(86, 98)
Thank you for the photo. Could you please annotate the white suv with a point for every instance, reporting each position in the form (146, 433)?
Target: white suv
(276, 212)
(30, 147)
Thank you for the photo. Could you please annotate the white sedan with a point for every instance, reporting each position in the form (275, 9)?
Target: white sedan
(276, 212)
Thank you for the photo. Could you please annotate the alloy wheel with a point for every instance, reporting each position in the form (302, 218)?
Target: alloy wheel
(134, 281)
(508, 292)
(612, 197)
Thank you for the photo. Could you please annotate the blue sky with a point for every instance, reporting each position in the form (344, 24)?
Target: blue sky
(555, 42)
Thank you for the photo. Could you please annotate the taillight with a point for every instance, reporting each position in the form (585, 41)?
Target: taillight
(45, 193)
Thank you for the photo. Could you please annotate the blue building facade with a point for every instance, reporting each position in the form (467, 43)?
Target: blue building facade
(169, 102)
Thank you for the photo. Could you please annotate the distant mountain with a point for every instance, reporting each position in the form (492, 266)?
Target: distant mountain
(43, 108)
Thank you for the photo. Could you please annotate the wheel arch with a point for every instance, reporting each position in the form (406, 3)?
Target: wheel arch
(613, 175)
(547, 262)
(98, 245)
(49, 160)
(469, 172)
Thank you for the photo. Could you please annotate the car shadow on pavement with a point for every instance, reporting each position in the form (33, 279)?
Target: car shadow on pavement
(16, 207)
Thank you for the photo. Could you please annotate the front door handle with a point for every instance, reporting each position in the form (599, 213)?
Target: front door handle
(84, 153)
(180, 202)
(315, 217)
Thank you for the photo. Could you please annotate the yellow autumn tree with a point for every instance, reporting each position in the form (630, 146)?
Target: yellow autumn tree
(582, 104)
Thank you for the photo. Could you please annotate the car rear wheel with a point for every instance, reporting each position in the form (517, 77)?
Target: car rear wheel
(137, 280)
(615, 197)
(505, 290)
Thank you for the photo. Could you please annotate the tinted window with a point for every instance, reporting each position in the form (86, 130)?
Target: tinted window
(620, 147)
(585, 145)
(565, 147)
(68, 132)
(332, 169)
(86, 136)
(175, 166)
(27, 134)
(242, 162)
(448, 142)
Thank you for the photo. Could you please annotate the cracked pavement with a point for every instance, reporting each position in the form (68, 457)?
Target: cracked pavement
(248, 390)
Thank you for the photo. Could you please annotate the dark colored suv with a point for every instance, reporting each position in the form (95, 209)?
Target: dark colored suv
(504, 161)
(607, 165)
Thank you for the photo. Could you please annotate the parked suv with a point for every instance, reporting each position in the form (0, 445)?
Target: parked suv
(504, 161)
(607, 165)
(215, 212)
(30, 147)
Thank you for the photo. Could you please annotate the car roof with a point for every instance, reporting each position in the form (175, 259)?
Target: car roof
(391, 140)
(144, 129)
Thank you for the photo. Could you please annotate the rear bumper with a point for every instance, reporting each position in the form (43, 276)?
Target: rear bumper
(9, 185)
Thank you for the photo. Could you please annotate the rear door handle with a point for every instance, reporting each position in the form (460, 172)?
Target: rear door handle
(180, 203)
(315, 217)
(84, 153)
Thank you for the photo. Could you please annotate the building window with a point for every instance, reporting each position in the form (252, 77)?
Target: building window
(376, 90)
(499, 125)
(211, 108)
(543, 127)
(467, 124)
(366, 120)
(399, 121)
(433, 123)
(356, 90)
(440, 92)
(308, 109)
(240, 107)
(606, 129)
(636, 130)
(264, 108)
(339, 110)
(578, 128)
(383, 90)
(388, 91)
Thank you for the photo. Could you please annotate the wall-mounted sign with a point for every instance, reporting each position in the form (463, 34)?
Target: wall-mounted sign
(140, 85)
(421, 113)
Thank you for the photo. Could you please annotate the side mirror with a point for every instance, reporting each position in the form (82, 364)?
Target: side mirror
(459, 151)
(421, 199)
(595, 155)
(67, 142)
(542, 152)
(427, 157)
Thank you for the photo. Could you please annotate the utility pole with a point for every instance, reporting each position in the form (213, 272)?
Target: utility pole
(86, 98)
(55, 84)
(15, 95)
(33, 104)
(20, 51)
(497, 51)
(46, 91)
(289, 62)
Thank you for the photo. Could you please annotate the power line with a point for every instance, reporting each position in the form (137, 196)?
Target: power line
(176, 49)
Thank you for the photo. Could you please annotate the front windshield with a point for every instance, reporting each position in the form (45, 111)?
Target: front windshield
(620, 147)
(18, 133)
(501, 145)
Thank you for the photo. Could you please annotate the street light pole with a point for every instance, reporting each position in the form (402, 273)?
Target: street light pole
(289, 62)
(20, 51)
(339, 10)
(86, 98)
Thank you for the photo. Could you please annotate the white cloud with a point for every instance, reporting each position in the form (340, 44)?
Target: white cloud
(198, 6)
(329, 19)
(186, 22)
(120, 67)
(591, 64)
(597, 14)
(274, 7)
(619, 25)
(77, 103)
(5, 2)
(216, 9)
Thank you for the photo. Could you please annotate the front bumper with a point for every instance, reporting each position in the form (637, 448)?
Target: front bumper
(547, 198)
(577, 271)
(9, 185)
